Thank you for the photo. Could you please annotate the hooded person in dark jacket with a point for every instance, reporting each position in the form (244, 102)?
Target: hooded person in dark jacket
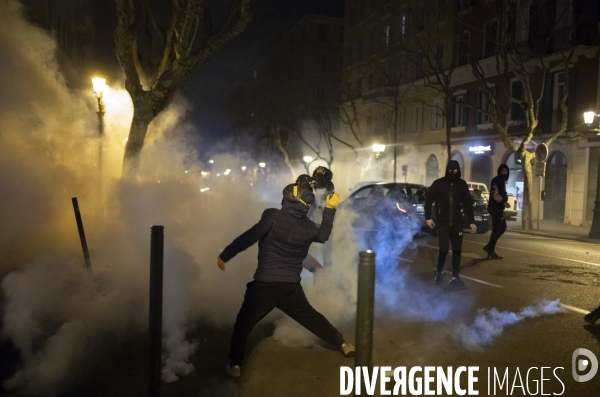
(450, 193)
(284, 237)
(496, 204)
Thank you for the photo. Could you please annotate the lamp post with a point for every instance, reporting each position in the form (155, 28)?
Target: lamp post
(588, 118)
(99, 86)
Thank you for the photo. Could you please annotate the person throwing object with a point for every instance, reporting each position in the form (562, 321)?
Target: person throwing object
(284, 237)
(449, 193)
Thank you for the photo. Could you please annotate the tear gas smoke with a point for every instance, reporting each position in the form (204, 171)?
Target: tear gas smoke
(490, 323)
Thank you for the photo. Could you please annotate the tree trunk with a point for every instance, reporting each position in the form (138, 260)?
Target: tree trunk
(143, 115)
(526, 214)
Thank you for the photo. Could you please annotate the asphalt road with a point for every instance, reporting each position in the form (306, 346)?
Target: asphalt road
(431, 327)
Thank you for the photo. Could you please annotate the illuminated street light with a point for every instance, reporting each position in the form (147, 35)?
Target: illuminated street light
(243, 168)
(99, 87)
(308, 159)
(262, 165)
(378, 149)
(204, 173)
(588, 117)
(211, 161)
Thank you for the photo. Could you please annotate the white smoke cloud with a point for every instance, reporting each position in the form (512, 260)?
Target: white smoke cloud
(490, 323)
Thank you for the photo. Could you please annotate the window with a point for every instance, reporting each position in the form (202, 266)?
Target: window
(462, 57)
(484, 102)
(491, 38)
(417, 118)
(403, 25)
(371, 43)
(459, 111)
(436, 115)
(371, 81)
(439, 56)
(516, 111)
(386, 39)
(559, 92)
(432, 169)
(322, 32)
(419, 66)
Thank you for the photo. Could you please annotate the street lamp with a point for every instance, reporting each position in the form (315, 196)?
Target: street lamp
(378, 149)
(262, 165)
(307, 159)
(588, 118)
(99, 86)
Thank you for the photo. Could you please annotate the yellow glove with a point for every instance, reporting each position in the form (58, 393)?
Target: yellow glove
(332, 200)
(220, 263)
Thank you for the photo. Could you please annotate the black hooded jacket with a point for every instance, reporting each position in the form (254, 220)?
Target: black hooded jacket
(449, 193)
(284, 237)
(498, 190)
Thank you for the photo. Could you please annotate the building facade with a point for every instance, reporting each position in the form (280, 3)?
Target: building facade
(439, 56)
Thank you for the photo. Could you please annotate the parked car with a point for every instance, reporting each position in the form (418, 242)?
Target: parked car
(387, 203)
(509, 213)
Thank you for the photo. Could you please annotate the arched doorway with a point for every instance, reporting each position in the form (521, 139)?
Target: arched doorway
(481, 169)
(556, 187)
(458, 157)
(432, 169)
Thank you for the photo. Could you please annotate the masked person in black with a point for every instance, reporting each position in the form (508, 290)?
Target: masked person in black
(496, 204)
(449, 193)
(283, 237)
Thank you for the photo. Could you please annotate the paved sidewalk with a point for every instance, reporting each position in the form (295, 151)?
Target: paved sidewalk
(556, 230)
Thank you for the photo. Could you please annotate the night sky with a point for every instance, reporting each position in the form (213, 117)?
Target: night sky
(208, 87)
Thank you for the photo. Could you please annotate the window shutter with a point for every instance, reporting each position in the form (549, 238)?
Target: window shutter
(546, 112)
(572, 116)
(465, 109)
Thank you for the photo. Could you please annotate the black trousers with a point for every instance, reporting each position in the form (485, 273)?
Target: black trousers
(498, 227)
(454, 235)
(262, 297)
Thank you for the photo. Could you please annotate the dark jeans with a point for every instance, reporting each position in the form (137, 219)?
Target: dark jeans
(498, 227)
(262, 297)
(454, 235)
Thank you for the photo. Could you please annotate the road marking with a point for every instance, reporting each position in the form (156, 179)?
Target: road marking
(474, 279)
(529, 252)
(465, 254)
(575, 309)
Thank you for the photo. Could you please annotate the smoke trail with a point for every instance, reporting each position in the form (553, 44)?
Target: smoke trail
(490, 323)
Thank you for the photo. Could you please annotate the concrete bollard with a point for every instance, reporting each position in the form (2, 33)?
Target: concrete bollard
(155, 318)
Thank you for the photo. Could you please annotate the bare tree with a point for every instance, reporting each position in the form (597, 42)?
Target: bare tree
(157, 67)
(515, 83)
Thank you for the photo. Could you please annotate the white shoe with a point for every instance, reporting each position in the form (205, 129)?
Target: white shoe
(235, 371)
(348, 350)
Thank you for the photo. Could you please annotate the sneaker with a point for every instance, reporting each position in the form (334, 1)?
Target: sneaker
(486, 249)
(348, 350)
(593, 316)
(494, 255)
(233, 370)
(456, 283)
(439, 279)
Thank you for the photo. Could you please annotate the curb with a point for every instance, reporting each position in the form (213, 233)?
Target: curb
(551, 235)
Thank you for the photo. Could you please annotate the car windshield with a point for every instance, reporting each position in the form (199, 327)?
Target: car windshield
(477, 195)
(411, 194)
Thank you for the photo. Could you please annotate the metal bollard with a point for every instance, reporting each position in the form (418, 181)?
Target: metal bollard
(156, 295)
(364, 309)
(86, 252)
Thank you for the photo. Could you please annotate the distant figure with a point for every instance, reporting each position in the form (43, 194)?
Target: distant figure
(497, 202)
(449, 193)
(284, 237)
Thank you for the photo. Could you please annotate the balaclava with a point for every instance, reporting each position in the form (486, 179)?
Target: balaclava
(502, 167)
(450, 175)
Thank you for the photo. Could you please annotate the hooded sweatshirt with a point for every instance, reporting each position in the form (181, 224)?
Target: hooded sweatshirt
(284, 237)
(498, 194)
(449, 193)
